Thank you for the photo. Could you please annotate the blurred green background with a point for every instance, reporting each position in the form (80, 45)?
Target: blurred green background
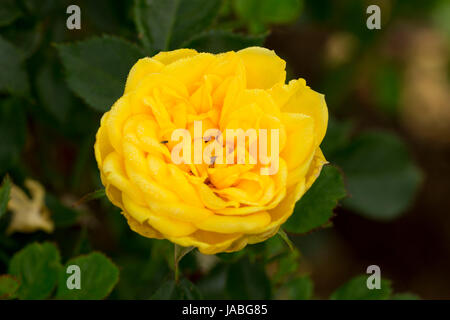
(388, 96)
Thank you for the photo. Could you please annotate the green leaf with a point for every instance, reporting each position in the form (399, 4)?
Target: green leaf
(258, 13)
(53, 93)
(13, 78)
(40, 8)
(380, 174)
(12, 129)
(356, 289)
(286, 239)
(183, 290)
(5, 190)
(216, 41)
(141, 274)
(337, 137)
(300, 288)
(26, 39)
(36, 267)
(405, 296)
(315, 208)
(107, 16)
(166, 24)
(231, 257)
(8, 287)
(246, 280)
(287, 265)
(275, 247)
(97, 77)
(9, 12)
(166, 292)
(98, 277)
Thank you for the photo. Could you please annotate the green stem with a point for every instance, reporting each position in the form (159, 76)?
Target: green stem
(178, 253)
(176, 261)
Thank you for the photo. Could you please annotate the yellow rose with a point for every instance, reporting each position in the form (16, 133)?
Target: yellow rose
(214, 206)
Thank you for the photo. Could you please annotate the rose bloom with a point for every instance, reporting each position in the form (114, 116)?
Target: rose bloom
(214, 207)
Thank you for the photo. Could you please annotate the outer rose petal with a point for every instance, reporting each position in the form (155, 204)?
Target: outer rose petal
(141, 68)
(316, 167)
(115, 175)
(102, 146)
(167, 57)
(251, 223)
(297, 97)
(117, 116)
(167, 226)
(284, 210)
(264, 68)
(143, 229)
(211, 242)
